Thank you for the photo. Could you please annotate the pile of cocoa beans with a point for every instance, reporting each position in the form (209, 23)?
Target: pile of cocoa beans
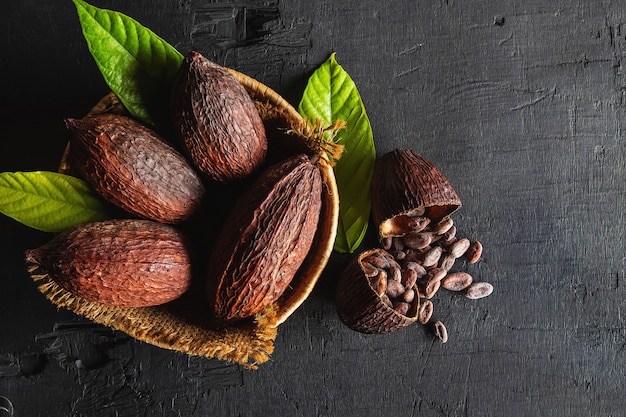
(159, 186)
(412, 204)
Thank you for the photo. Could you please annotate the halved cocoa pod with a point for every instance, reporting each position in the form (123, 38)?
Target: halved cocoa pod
(363, 308)
(265, 239)
(406, 188)
(132, 167)
(216, 120)
(123, 263)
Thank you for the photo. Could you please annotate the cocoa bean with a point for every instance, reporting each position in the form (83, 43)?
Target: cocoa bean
(447, 262)
(409, 295)
(458, 248)
(457, 281)
(409, 277)
(378, 261)
(440, 331)
(474, 252)
(369, 270)
(478, 290)
(419, 269)
(425, 311)
(436, 274)
(417, 240)
(401, 307)
(379, 282)
(395, 273)
(431, 288)
(394, 288)
(432, 256)
(443, 226)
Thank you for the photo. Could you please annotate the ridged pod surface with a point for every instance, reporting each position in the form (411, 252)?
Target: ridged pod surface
(124, 263)
(132, 167)
(361, 307)
(405, 182)
(217, 122)
(265, 239)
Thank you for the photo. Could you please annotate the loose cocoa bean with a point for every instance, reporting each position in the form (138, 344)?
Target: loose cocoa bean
(447, 262)
(478, 290)
(436, 274)
(409, 277)
(425, 311)
(440, 331)
(458, 248)
(474, 252)
(443, 226)
(419, 269)
(432, 256)
(457, 281)
(431, 288)
(417, 240)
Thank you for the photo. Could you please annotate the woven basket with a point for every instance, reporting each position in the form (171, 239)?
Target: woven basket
(183, 325)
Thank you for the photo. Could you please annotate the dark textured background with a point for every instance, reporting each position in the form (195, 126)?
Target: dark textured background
(521, 105)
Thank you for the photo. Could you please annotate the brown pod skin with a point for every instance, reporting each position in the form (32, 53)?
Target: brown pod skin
(265, 239)
(403, 183)
(361, 308)
(132, 167)
(123, 263)
(216, 120)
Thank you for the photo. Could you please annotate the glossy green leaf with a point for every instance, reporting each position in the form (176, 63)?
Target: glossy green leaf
(137, 65)
(48, 201)
(330, 96)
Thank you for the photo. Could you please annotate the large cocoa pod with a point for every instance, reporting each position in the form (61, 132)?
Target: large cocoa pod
(132, 167)
(216, 121)
(265, 239)
(124, 263)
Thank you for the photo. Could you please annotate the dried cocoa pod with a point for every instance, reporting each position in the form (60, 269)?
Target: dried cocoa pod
(363, 308)
(265, 239)
(405, 185)
(216, 120)
(132, 167)
(123, 263)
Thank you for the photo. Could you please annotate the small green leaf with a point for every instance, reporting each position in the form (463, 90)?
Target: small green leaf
(330, 96)
(138, 66)
(48, 201)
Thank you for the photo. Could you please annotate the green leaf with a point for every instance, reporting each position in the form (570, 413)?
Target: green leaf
(138, 66)
(48, 201)
(331, 96)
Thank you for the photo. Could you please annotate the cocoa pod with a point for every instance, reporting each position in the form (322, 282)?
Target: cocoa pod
(133, 168)
(123, 263)
(216, 120)
(405, 184)
(265, 239)
(363, 307)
